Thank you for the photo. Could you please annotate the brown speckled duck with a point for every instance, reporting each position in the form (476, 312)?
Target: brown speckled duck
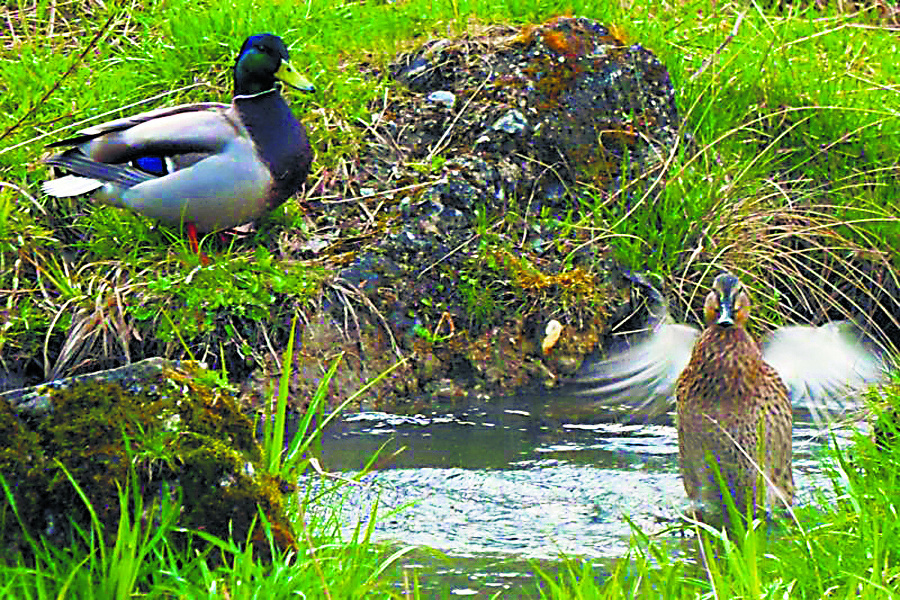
(206, 166)
(733, 410)
(734, 397)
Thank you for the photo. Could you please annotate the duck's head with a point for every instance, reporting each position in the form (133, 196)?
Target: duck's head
(263, 59)
(728, 303)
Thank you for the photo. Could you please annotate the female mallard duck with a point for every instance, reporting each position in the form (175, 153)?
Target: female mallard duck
(733, 398)
(208, 166)
(733, 411)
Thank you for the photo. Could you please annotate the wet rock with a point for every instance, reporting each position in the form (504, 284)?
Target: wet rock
(368, 271)
(448, 99)
(512, 122)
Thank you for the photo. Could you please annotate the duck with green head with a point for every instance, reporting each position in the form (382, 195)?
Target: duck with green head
(206, 166)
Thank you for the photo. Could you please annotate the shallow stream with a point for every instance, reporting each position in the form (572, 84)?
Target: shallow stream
(498, 490)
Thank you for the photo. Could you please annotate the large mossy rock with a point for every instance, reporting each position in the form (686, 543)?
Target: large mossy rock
(164, 427)
(467, 223)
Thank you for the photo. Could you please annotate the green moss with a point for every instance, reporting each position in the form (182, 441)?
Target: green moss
(170, 429)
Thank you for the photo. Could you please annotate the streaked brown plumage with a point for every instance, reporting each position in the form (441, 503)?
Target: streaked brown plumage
(734, 398)
(733, 411)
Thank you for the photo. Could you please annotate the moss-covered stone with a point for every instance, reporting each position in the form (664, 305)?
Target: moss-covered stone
(166, 430)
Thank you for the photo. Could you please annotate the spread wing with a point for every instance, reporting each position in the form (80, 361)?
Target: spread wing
(640, 377)
(825, 368)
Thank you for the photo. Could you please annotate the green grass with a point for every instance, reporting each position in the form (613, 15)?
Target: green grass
(149, 557)
(791, 134)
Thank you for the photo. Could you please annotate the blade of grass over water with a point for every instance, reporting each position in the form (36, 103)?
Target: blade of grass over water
(275, 424)
(292, 461)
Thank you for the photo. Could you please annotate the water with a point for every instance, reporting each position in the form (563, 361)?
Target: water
(497, 492)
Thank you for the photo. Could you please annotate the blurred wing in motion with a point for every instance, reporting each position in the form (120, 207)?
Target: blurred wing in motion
(639, 380)
(825, 368)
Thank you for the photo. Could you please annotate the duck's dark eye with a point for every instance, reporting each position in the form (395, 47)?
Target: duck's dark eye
(266, 49)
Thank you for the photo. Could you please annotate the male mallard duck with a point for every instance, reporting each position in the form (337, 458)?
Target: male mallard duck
(733, 397)
(209, 166)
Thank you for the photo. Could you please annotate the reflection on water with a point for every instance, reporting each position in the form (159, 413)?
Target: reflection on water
(493, 490)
